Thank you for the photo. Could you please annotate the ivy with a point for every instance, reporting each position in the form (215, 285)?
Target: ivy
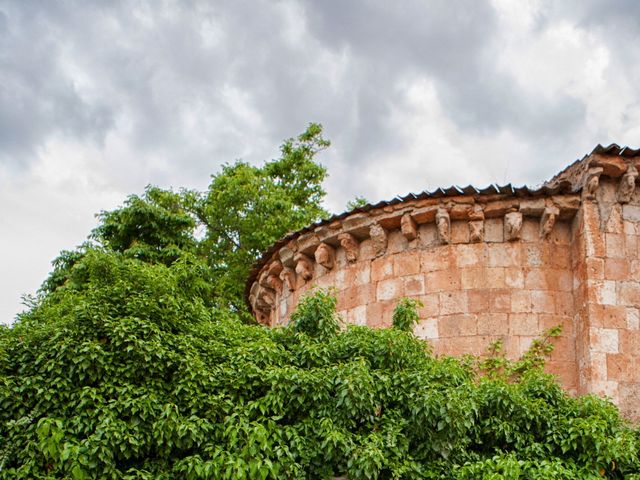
(126, 371)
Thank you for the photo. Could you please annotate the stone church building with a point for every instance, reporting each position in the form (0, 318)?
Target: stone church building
(499, 262)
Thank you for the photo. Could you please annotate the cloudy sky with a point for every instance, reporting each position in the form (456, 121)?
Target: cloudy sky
(100, 98)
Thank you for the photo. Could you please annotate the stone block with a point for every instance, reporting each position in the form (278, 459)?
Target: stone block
(389, 289)
(543, 301)
(357, 295)
(453, 302)
(500, 301)
(457, 325)
(397, 243)
(616, 269)
(459, 232)
(547, 321)
(628, 293)
(493, 324)
(414, 285)
(523, 324)
(514, 277)
(470, 255)
(615, 245)
(504, 255)
(439, 258)
(633, 318)
(521, 301)
(430, 305)
(381, 268)
(380, 314)
(493, 230)
(631, 213)
(536, 279)
(532, 207)
(407, 263)
(427, 329)
(427, 235)
(530, 231)
(604, 340)
(478, 300)
(565, 371)
(620, 368)
(630, 342)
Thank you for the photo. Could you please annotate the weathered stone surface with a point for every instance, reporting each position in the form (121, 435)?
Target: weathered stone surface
(350, 245)
(304, 266)
(378, 239)
(443, 225)
(532, 207)
(612, 166)
(592, 182)
(500, 264)
(409, 227)
(627, 184)
(512, 226)
(499, 208)
(476, 231)
(307, 243)
(325, 255)
(548, 220)
(288, 278)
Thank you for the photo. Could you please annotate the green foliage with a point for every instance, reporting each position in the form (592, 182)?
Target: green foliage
(247, 208)
(316, 315)
(497, 365)
(124, 372)
(244, 210)
(357, 202)
(405, 315)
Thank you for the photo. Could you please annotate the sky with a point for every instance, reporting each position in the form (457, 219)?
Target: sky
(100, 98)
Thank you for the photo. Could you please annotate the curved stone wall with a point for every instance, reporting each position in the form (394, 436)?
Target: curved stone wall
(499, 263)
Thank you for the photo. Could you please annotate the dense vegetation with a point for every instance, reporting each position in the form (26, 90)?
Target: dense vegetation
(135, 362)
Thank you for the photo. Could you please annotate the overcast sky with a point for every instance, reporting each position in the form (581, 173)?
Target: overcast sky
(100, 98)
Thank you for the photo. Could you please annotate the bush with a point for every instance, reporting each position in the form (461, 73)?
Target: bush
(125, 372)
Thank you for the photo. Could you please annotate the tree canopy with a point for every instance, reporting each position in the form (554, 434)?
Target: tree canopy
(134, 363)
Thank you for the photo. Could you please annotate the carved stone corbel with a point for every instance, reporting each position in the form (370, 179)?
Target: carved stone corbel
(350, 245)
(591, 183)
(304, 266)
(476, 224)
(325, 255)
(512, 226)
(408, 227)
(443, 225)
(627, 184)
(548, 220)
(288, 278)
(378, 239)
(476, 231)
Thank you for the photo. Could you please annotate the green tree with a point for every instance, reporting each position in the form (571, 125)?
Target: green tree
(245, 209)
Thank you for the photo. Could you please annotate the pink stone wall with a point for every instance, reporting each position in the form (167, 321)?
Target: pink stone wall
(472, 294)
(488, 266)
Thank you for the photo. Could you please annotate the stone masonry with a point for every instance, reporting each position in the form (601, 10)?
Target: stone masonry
(501, 262)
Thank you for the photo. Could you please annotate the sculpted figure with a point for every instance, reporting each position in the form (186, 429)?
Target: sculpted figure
(548, 220)
(442, 225)
(476, 231)
(325, 255)
(378, 239)
(288, 278)
(304, 266)
(350, 245)
(512, 226)
(627, 184)
(408, 227)
(592, 183)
